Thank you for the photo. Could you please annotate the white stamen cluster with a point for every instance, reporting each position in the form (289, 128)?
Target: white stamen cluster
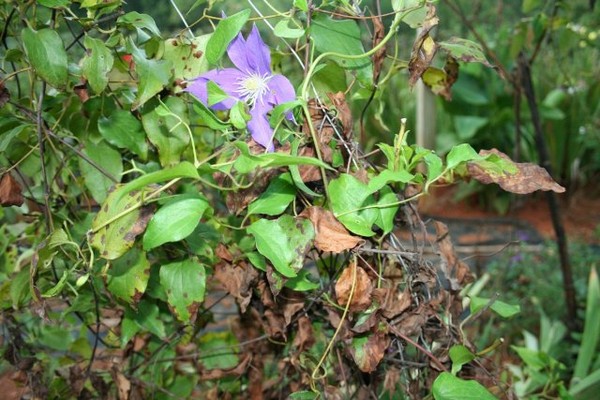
(253, 87)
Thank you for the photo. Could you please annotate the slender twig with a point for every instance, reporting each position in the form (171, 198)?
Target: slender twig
(40, 137)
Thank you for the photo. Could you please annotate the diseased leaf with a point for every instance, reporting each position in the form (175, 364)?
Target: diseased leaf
(440, 81)
(424, 48)
(154, 75)
(528, 178)
(139, 22)
(330, 234)
(464, 50)
(187, 57)
(127, 278)
(97, 63)
(363, 287)
(184, 282)
(225, 32)
(115, 229)
(46, 52)
(123, 130)
(368, 351)
(283, 241)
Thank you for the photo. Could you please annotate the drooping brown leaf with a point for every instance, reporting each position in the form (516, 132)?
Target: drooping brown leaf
(330, 234)
(4, 95)
(123, 384)
(294, 302)
(215, 374)
(453, 269)
(363, 287)
(529, 178)
(379, 56)
(274, 324)
(391, 301)
(368, 355)
(304, 338)
(343, 112)
(10, 191)
(309, 173)
(411, 324)
(424, 47)
(238, 280)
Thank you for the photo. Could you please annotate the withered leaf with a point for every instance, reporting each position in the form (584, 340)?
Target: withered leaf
(238, 280)
(379, 56)
(455, 271)
(10, 191)
(344, 114)
(424, 48)
(529, 178)
(440, 81)
(361, 298)
(392, 302)
(368, 352)
(304, 338)
(330, 234)
(123, 384)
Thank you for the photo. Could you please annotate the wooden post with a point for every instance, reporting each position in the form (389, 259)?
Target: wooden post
(426, 117)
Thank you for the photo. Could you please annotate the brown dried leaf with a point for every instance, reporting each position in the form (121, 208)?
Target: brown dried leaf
(379, 56)
(238, 280)
(424, 48)
(330, 234)
(309, 173)
(81, 91)
(371, 353)
(392, 303)
(123, 384)
(10, 191)
(455, 271)
(344, 114)
(294, 302)
(361, 298)
(274, 324)
(528, 179)
(304, 338)
(411, 324)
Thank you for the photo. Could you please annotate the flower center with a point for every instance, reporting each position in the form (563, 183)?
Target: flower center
(253, 87)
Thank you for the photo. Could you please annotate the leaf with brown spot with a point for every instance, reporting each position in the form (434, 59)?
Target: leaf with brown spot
(238, 280)
(363, 287)
(368, 351)
(330, 234)
(529, 177)
(10, 191)
(440, 81)
(424, 48)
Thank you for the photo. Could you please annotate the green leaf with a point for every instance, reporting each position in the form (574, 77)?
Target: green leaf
(54, 3)
(135, 20)
(46, 52)
(273, 201)
(215, 94)
(128, 276)
(591, 330)
(153, 75)
(184, 169)
(448, 387)
(302, 5)
(219, 350)
(386, 176)
(184, 282)
(187, 57)
(348, 197)
(19, 288)
(97, 63)
(461, 153)
(501, 308)
(123, 130)
(106, 157)
(413, 12)
(167, 129)
(386, 215)
(118, 223)
(534, 359)
(464, 50)
(247, 162)
(225, 32)
(283, 241)
(460, 355)
(283, 30)
(342, 37)
(434, 166)
(208, 118)
(238, 115)
(56, 289)
(174, 221)
(467, 125)
(146, 317)
(302, 283)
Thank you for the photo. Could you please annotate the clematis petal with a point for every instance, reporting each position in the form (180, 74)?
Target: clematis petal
(238, 53)
(227, 79)
(258, 53)
(281, 91)
(259, 127)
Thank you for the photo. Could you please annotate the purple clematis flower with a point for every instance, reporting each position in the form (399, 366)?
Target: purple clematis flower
(252, 82)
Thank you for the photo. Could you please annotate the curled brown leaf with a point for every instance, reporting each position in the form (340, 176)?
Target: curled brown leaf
(330, 234)
(10, 191)
(363, 287)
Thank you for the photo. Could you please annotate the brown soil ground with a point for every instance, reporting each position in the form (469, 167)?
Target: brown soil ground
(580, 211)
